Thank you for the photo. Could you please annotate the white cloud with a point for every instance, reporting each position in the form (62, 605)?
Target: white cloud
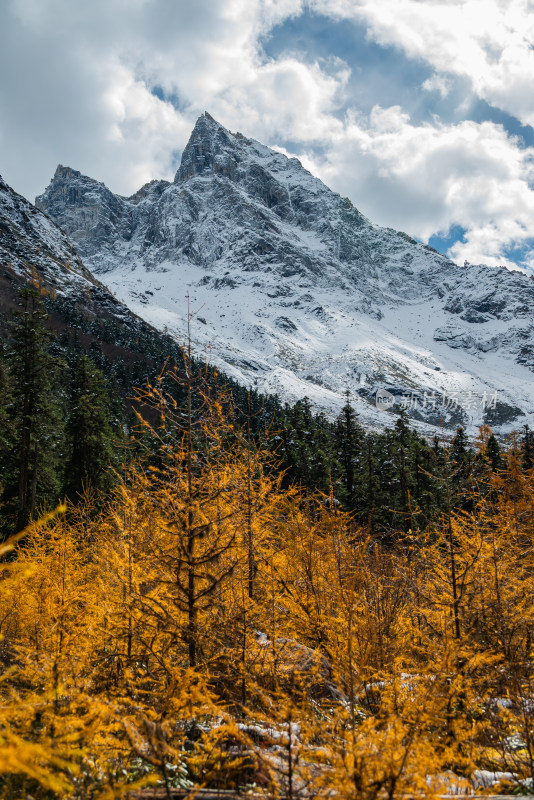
(437, 83)
(426, 178)
(488, 41)
(87, 72)
(285, 100)
(80, 80)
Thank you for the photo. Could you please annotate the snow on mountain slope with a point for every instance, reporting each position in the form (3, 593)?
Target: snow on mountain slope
(299, 293)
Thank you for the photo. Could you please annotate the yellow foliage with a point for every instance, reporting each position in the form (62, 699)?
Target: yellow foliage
(209, 628)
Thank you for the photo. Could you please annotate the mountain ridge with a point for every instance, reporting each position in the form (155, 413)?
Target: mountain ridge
(301, 294)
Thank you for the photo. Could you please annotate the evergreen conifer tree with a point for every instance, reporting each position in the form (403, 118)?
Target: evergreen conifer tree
(308, 448)
(6, 437)
(461, 458)
(493, 453)
(34, 413)
(528, 448)
(350, 440)
(5, 392)
(89, 431)
(370, 482)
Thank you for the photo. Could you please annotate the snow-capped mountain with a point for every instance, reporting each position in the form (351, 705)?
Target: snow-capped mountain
(296, 292)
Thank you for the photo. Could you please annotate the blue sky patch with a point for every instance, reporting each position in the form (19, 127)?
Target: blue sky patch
(519, 253)
(482, 111)
(380, 75)
(442, 243)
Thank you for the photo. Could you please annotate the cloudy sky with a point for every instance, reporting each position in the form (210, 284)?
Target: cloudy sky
(421, 111)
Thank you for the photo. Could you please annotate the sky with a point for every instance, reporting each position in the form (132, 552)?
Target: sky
(420, 111)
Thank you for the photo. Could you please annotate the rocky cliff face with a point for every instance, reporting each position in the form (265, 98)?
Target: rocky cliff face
(30, 241)
(300, 293)
(35, 252)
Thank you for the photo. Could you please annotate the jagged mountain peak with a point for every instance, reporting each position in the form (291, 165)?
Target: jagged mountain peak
(214, 150)
(208, 149)
(67, 176)
(35, 252)
(64, 173)
(70, 184)
(85, 208)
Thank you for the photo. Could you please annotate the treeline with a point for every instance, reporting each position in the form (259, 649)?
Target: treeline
(206, 624)
(68, 413)
(393, 479)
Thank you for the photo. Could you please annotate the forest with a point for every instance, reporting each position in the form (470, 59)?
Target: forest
(204, 588)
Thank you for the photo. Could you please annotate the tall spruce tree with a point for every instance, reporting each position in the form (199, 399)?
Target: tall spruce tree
(493, 453)
(308, 447)
(404, 441)
(89, 432)
(6, 437)
(370, 478)
(461, 464)
(528, 448)
(5, 402)
(460, 454)
(350, 440)
(34, 414)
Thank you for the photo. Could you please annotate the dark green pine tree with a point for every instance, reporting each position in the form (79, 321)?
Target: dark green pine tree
(493, 454)
(325, 466)
(307, 447)
(406, 495)
(404, 441)
(460, 453)
(89, 431)
(462, 461)
(370, 483)
(5, 403)
(350, 442)
(6, 438)
(386, 489)
(528, 449)
(427, 496)
(297, 435)
(34, 413)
